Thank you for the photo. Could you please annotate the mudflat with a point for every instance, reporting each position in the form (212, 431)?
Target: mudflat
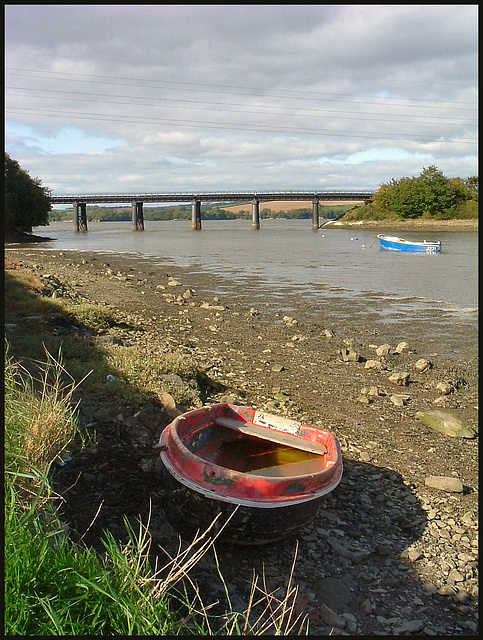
(410, 225)
(389, 553)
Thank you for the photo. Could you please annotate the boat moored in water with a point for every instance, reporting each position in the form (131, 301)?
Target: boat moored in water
(262, 474)
(393, 243)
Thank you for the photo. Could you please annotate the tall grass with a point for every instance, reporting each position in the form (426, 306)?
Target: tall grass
(39, 424)
(53, 587)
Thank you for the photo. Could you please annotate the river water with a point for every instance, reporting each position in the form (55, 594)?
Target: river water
(286, 262)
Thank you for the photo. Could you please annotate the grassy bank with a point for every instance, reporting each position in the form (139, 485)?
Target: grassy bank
(53, 585)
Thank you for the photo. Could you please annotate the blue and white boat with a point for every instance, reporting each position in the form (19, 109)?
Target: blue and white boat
(393, 243)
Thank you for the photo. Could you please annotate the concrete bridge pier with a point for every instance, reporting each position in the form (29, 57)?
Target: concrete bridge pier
(255, 214)
(196, 214)
(80, 216)
(137, 216)
(315, 214)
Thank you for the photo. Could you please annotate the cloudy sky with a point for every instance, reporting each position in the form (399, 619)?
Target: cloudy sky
(151, 98)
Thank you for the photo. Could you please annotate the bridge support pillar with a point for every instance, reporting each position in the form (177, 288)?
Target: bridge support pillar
(196, 214)
(137, 216)
(80, 216)
(255, 214)
(315, 214)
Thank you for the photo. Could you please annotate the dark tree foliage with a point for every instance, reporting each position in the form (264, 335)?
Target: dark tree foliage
(27, 203)
(429, 195)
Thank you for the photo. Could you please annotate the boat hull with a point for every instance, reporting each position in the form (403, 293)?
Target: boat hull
(392, 243)
(190, 512)
(262, 476)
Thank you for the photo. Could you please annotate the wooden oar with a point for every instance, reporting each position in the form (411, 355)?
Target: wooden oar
(272, 435)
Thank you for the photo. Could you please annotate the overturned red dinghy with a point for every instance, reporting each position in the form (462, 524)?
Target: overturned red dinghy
(275, 470)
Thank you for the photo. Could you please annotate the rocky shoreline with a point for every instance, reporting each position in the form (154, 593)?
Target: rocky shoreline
(391, 553)
(408, 225)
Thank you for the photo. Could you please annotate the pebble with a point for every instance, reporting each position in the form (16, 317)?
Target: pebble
(331, 618)
(444, 388)
(410, 626)
(373, 364)
(349, 355)
(423, 364)
(415, 554)
(446, 590)
(383, 350)
(400, 378)
(399, 400)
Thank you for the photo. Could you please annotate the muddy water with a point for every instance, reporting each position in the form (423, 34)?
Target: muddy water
(330, 276)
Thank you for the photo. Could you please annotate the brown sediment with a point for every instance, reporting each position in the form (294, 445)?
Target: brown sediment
(299, 367)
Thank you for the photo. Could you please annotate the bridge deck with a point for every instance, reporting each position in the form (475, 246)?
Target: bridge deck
(211, 196)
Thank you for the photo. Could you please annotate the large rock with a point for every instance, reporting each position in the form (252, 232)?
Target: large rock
(446, 423)
(444, 483)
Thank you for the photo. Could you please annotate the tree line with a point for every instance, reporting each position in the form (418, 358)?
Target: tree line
(430, 195)
(96, 213)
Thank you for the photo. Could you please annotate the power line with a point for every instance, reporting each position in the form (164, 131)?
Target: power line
(224, 89)
(246, 109)
(229, 126)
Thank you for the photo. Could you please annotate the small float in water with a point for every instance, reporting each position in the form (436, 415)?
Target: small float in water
(263, 474)
(393, 243)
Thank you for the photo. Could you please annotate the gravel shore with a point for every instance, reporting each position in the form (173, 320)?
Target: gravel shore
(388, 554)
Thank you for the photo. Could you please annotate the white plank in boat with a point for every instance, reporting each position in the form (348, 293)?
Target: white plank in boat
(270, 434)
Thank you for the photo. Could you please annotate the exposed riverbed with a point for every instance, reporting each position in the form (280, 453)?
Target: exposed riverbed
(387, 554)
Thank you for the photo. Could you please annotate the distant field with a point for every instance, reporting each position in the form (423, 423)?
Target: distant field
(286, 205)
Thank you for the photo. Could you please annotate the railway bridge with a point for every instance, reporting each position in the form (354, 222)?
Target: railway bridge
(137, 201)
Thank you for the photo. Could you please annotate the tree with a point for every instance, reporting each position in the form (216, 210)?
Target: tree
(429, 195)
(27, 203)
(438, 192)
(471, 185)
(407, 200)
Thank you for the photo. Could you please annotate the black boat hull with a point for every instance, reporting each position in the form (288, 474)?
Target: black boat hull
(190, 511)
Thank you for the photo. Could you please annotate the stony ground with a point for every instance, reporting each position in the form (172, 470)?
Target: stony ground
(387, 554)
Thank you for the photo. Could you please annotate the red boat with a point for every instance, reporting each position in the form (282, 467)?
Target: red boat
(267, 472)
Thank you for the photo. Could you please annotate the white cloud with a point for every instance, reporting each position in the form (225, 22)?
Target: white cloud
(100, 98)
